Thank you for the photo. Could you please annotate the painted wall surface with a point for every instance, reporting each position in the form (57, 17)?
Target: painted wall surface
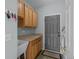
(11, 31)
(51, 9)
(26, 31)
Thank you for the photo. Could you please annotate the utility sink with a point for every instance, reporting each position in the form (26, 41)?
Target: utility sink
(22, 47)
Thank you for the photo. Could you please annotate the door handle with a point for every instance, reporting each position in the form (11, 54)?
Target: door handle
(58, 34)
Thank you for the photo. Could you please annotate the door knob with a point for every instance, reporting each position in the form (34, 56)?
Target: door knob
(58, 34)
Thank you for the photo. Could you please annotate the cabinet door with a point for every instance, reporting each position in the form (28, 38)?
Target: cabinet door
(21, 10)
(29, 52)
(34, 19)
(22, 1)
(30, 16)
(33, 52)
(35, 49)
(26, 16)
(21, 23)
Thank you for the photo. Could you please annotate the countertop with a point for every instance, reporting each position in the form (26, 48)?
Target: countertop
(29, 37)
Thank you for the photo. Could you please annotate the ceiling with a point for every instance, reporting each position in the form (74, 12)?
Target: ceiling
(41, 3)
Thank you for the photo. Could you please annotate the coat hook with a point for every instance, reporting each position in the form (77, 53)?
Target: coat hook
(8, 14)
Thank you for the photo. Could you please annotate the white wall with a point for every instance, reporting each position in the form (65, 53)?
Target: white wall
(11, 31)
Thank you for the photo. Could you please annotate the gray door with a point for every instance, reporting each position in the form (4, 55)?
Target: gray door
(52, 33)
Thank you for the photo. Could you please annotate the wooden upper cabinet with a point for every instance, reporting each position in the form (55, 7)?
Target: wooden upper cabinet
(21, 10)
(30, 14)
(22, 1)
(35, 19)
(26, 23)
(27, 17)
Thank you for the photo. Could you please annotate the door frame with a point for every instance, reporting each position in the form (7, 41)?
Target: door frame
(44, 29)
